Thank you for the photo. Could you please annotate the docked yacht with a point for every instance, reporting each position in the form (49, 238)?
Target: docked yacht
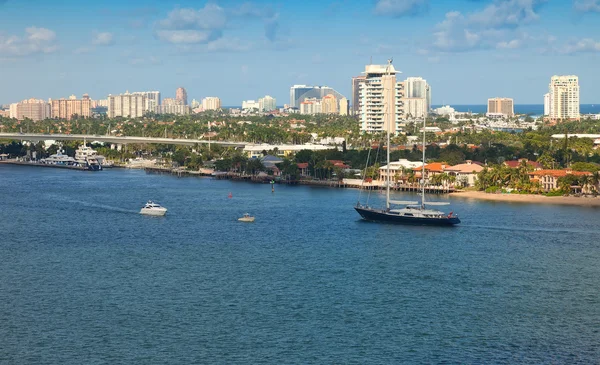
(86, 156)
(59, 159)
(152, 208)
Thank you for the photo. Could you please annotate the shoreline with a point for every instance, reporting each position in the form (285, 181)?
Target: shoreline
(529, 198)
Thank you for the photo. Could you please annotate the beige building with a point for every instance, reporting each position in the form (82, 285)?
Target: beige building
(267, 104)
(126, 105)
(381, 100)
(564, 97)
(344, 107)
(211, 103)
(67, 108)
(33, 109)
(329, 105)
(503, 106)
(311, 106)
(181, 96)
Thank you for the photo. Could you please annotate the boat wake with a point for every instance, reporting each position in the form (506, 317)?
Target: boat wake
(99, 206)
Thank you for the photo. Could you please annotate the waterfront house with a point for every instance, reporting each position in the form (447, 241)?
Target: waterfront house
(466, 173)
(515, 164)
(548, 179)
(303, 167)
(431, 169)
(398, 169)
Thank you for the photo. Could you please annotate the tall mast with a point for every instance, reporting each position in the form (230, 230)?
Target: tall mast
(387, 108)
(423, 172)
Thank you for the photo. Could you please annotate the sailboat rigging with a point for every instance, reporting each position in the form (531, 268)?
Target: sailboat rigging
(413, 212)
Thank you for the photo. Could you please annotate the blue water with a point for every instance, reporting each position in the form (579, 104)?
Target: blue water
(84, 279)
(532, 109)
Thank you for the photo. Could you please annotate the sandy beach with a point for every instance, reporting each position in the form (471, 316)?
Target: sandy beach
(529, 198)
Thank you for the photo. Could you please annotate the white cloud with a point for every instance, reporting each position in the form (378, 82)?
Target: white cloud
(36, 40)
(208, 24)
(399, 8)
(580, 46)
(103, 39)
(495, 25)
(585, 6)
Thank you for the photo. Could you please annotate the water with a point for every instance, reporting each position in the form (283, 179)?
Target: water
(86, 279)
(531, 109)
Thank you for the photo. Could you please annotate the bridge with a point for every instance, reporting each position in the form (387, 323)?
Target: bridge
(113, 139)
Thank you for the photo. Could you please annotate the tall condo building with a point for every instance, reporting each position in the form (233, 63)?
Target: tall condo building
(267, 104)
(356, 81)
(329, 105)
(417, 87)
(181, 95)
(34, 109)
(381, 100)
(344, 107)
(547, 104)
(311, 106)
(250, 105)
(415, 107)
(564, 97)
(504, 106)
(152, 99)
(68, 108)
(211, 103)
(299, 93)
(126, 105)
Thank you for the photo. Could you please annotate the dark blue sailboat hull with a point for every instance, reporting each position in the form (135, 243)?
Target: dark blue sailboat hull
(375, 215)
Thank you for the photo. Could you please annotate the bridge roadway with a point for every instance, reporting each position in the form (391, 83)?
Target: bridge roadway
(113, 139)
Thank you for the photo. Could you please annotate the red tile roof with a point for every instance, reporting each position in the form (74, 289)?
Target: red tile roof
(302, 165)
(515, 164)
(559, 173)
(433, 167)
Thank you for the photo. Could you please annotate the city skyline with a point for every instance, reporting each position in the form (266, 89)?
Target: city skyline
(152, 45)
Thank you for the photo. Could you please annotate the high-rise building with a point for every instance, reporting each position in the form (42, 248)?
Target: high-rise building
(173, 108)
(299, 93)
(152, 99)
(126, 105)
(504, 106)
(311, 106)
(211, 103)
(181, 95)
(195, 103)
(267, 104)
(564, 97)
(171, 101)
(415, 107)
(417, 87)
(67, 108)
(34, 109)
(381, 100)
(344, 107)
(329, 105)
(356, 81)
(250, 105)
(547, 104)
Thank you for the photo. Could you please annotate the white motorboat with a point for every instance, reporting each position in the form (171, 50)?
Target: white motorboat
(59, 159)
(246, 218)
(152, 208)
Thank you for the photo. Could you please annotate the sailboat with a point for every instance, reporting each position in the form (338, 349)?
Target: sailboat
(413, 212)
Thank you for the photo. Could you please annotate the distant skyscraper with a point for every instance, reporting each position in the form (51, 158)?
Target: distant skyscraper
(547, 104)
(417, 87)
(298, 93)
(329, 105)
(152, 99)
(66, 109)
(356, 81)
(501, 106)
(267, 104)
(564, 97)
(33, 109)
(381, 100)
(311, 106)
(211, 103)
(126, 105)
(344, 107)
(250, 105)
(415, 107)
(181, 95)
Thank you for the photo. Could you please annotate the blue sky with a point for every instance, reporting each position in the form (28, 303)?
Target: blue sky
(468, 50)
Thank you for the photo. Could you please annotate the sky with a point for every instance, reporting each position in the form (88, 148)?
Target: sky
(467, 50)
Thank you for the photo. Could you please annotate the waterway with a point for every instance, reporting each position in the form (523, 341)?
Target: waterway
(85, 279)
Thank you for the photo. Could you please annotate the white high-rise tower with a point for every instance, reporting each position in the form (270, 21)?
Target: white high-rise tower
(564, 97)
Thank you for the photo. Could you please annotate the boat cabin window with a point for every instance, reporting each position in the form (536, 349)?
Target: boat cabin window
(408, 214)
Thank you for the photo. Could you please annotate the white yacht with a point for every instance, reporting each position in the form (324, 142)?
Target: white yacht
(59, 159)
(86, 156)
(152, 208)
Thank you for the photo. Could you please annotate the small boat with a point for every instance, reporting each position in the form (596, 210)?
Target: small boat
(246, 218)
(152, 208)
